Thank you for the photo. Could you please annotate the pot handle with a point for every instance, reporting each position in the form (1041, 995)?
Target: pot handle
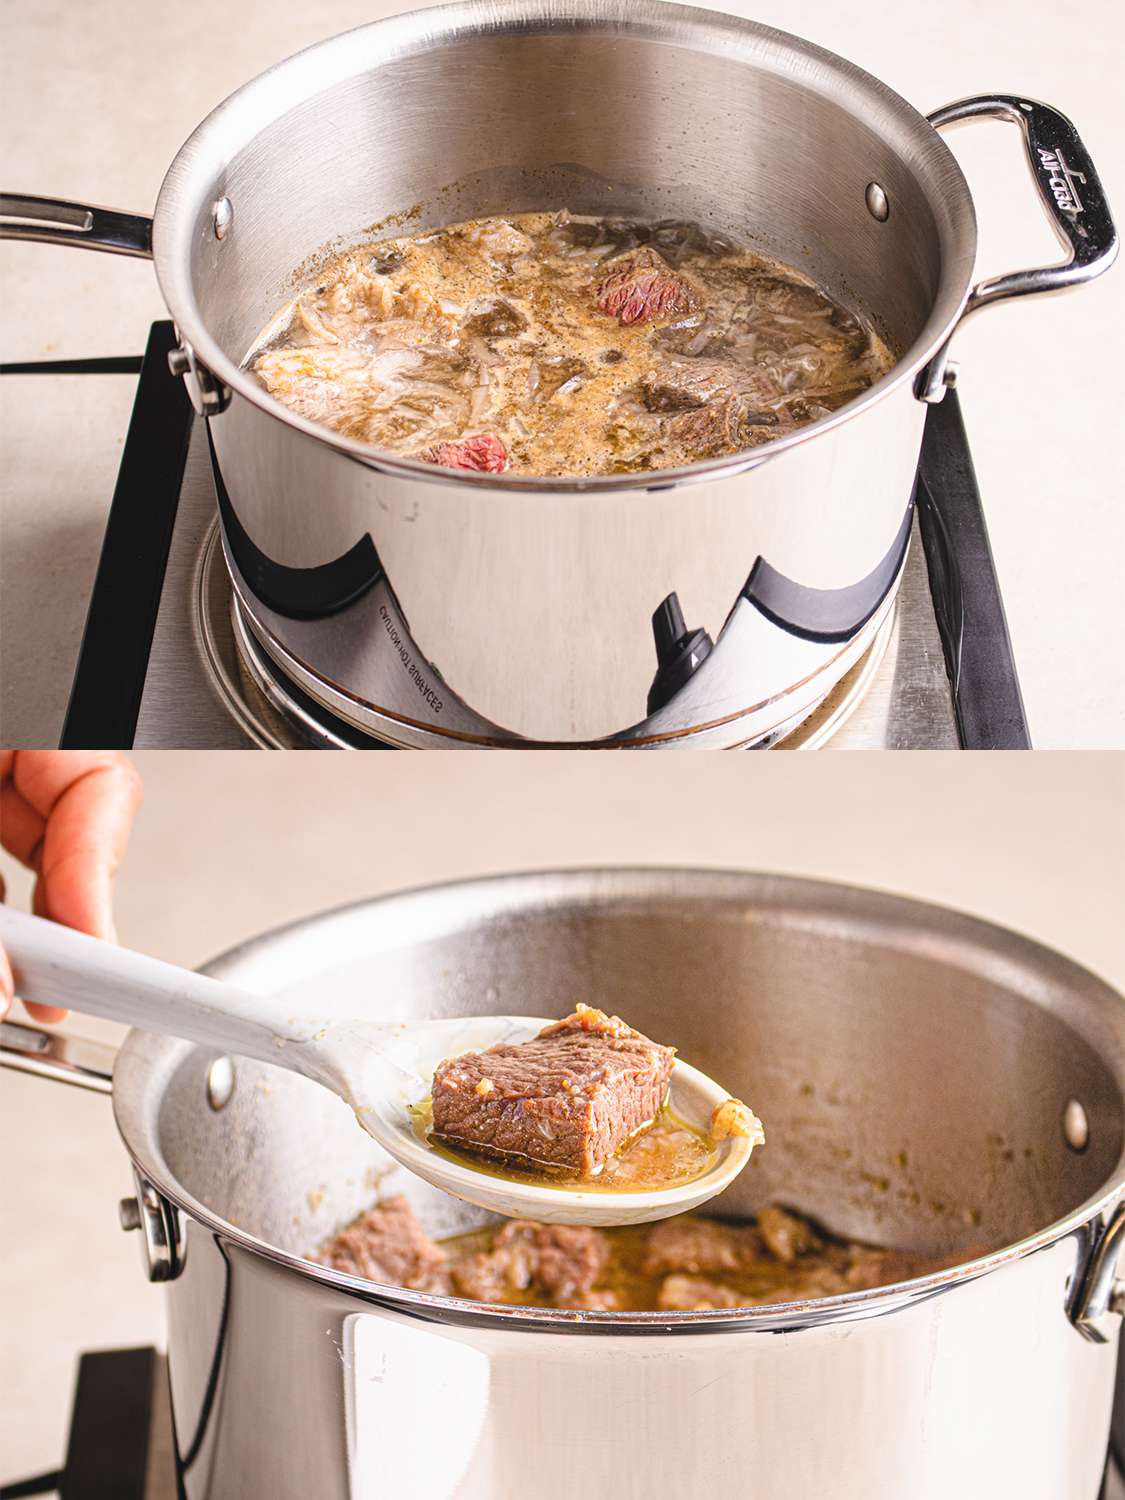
(1071, 193)
(58, 221)
(89, 1065)
(52, 1054)
(1099, 1300)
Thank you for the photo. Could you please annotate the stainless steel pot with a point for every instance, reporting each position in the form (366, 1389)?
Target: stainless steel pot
(926, 1079)
(454, 609)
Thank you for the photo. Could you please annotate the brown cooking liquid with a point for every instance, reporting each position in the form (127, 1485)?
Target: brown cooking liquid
(684, 1263)
(552, 344)
(666, 1154)
(625, 1285)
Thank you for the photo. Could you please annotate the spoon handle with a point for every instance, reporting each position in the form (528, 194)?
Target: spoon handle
(54, 965)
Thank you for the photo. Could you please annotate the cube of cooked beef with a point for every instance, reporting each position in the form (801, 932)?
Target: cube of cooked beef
(387, 1244)
(724, 426)
(561, 1261)
(785, 1236)
(565, 1101)
(686, 384)
(700, 1245)
(496, 1275)
(571, 1258)
(641, 286)
(696, 1294)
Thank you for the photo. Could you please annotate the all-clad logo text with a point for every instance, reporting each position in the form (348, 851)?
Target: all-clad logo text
(1061, 180)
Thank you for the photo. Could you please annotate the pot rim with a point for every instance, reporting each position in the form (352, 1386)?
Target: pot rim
(929, 924)
(233, 124)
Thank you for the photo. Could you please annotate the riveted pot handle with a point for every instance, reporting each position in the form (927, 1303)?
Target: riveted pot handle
(53, 1054)
(1072, 196)
(59, 221)
(1098, 1304)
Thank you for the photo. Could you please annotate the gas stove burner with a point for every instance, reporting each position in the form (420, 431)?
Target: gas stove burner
(179, 653)
(275, 713)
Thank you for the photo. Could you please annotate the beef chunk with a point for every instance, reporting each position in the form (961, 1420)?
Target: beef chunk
(558, 371)
(700, 1245)
(642, 286)
(559, 1260)
(696, 1294)
(873, 1265)
(723, 427)
(663, 395)
(716, 406)
(386, 1243)
(495, 320)
(786, 1236)
(484, 453)
(686, 383)
(496, 1275)
(571, 1258)
(566, 1100)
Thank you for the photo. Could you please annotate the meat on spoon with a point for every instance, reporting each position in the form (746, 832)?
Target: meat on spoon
(574, 1101)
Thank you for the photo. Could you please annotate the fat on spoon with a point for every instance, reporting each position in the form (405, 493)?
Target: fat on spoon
(381, 1070)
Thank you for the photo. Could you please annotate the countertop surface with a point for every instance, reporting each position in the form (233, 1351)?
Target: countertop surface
(228, 845)
(98, 99)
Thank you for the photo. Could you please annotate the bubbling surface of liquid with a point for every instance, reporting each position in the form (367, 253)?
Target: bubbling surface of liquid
(552, 344)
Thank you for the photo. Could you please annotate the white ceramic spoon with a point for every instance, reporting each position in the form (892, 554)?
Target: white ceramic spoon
(380, 1070)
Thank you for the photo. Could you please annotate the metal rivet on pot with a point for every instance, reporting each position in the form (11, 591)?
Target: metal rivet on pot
(221, 216)
(950, 373)
(878, 204)
(1076, 1127)
(220, 1082)
(129, 1213)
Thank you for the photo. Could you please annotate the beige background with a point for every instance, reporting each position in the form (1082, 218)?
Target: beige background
(98, 98)
(227, 845)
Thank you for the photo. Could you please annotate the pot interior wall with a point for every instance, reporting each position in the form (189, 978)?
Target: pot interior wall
(911, 1078)
(731, 126)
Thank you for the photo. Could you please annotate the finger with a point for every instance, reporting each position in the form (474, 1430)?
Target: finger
(6, 988)
(43, 776)
(87, 829)
(21, 827)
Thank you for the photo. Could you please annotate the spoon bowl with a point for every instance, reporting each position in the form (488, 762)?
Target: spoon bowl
(386, 1074)
(383, 1071)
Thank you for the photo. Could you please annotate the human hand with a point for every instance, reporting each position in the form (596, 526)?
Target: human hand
(66, 814)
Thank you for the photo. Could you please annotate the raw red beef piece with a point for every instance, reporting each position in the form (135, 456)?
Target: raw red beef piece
(642, 286)
(484, 453)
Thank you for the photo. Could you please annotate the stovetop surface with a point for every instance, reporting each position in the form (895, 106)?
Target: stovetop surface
(160, 668)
